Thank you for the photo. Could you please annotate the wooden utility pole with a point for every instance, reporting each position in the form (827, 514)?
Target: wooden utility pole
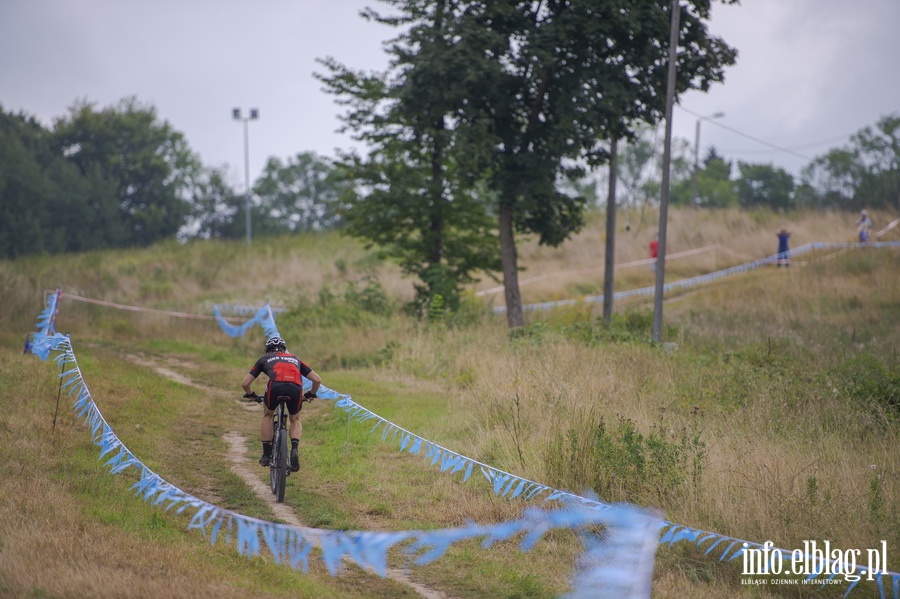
(664, 192)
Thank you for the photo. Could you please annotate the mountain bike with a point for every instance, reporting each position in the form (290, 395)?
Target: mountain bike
(280, 460)
(280, 467)
(280, 463)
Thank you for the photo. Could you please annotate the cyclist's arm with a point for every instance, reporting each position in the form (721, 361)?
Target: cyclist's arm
(247, 381)
(315, 379)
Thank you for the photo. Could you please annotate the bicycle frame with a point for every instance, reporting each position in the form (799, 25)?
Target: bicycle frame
(279, 468)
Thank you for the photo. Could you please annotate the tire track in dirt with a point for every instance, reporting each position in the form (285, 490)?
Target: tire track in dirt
(237, 449)
(241, 465)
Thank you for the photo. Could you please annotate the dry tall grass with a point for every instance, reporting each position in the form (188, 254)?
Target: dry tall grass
(732, 237)
(789, 457)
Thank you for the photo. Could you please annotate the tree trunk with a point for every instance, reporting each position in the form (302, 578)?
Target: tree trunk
(509, 262)
(610, 264)
(436, 225)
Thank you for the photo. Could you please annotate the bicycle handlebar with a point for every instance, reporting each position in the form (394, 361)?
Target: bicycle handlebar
(308, 396)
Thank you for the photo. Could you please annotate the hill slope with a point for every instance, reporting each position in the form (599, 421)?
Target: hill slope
(774, 420)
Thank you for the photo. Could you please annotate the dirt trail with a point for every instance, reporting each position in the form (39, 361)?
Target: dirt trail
(237, 449)
(166, 372)
(242, 466)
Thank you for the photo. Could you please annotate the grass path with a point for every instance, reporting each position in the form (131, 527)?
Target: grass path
(242, 466)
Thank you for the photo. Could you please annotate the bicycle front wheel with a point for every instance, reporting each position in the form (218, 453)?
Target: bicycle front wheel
(272, 477)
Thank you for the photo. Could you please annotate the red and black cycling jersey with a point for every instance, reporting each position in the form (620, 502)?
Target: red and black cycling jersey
(281, 368)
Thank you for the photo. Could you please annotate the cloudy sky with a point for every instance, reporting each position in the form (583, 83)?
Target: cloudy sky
(809, 72)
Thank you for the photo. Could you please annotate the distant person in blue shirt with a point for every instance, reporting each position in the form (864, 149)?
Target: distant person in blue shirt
(783, 256)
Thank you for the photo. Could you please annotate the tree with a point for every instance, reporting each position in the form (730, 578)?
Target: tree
(545, 84)
(46, 204)
(415, 196)
(715, 187)
(521, 95)
(215, 207)
(835, 177)
(640, 167)
(26, 195)
(878, 151)
(765, 185)
(300, 194)
(149, 164)
(638, 163)
(864, 173)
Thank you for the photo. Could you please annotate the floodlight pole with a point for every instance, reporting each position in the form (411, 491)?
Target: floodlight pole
(254, 114)
(664, 192)
(695, 198)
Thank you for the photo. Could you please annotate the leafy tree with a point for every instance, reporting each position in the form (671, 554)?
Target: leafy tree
(216, 209)
(529, 91)
(147, 162)
(715, 187)
(26, 195)
(835, 177)
(640, 169)
(878, 151)
(638, 164)
(300, 194)
(864, 173)
(765, 185)
(415, 196)
(46, 205)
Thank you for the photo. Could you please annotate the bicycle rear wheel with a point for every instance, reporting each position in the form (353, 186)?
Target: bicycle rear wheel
(281, 464)
(276, 446)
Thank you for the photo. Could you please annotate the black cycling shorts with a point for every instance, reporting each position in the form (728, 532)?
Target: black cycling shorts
(292, 390)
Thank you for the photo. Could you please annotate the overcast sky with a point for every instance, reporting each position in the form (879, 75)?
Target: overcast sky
(809, 72)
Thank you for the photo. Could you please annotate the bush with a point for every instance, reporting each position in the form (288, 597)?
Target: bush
(620, 463)
(868, 383)
(628, 327)
(370, 298)
(359, 305)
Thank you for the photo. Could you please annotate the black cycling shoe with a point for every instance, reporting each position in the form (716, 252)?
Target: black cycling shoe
(265, 460)
(295, 460)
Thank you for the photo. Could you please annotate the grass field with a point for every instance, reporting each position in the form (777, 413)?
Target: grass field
(776, 418)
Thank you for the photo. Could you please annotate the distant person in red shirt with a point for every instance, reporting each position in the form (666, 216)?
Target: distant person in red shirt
(654, 251)
(285, 372)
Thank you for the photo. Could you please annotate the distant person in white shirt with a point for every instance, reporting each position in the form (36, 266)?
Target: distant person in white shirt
(863, 226)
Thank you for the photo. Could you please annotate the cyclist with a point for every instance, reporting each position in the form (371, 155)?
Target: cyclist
(284, 371)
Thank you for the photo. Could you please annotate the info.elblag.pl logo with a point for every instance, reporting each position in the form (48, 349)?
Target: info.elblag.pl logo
(818, 560)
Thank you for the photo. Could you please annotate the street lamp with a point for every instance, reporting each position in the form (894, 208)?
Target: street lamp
(717, 115)
(254, 114)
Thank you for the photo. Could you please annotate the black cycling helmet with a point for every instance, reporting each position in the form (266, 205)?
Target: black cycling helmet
(275, 343)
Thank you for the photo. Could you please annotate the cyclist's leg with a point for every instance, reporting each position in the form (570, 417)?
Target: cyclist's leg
(296, 426)
(266, 431)
(265, 428)
(294, 406)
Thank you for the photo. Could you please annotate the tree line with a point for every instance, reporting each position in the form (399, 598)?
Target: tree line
(863, 173)
(492, 120)
(119, 177)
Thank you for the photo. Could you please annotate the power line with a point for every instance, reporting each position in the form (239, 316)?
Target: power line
(813, 144)
(747, 135)
(732, 152)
